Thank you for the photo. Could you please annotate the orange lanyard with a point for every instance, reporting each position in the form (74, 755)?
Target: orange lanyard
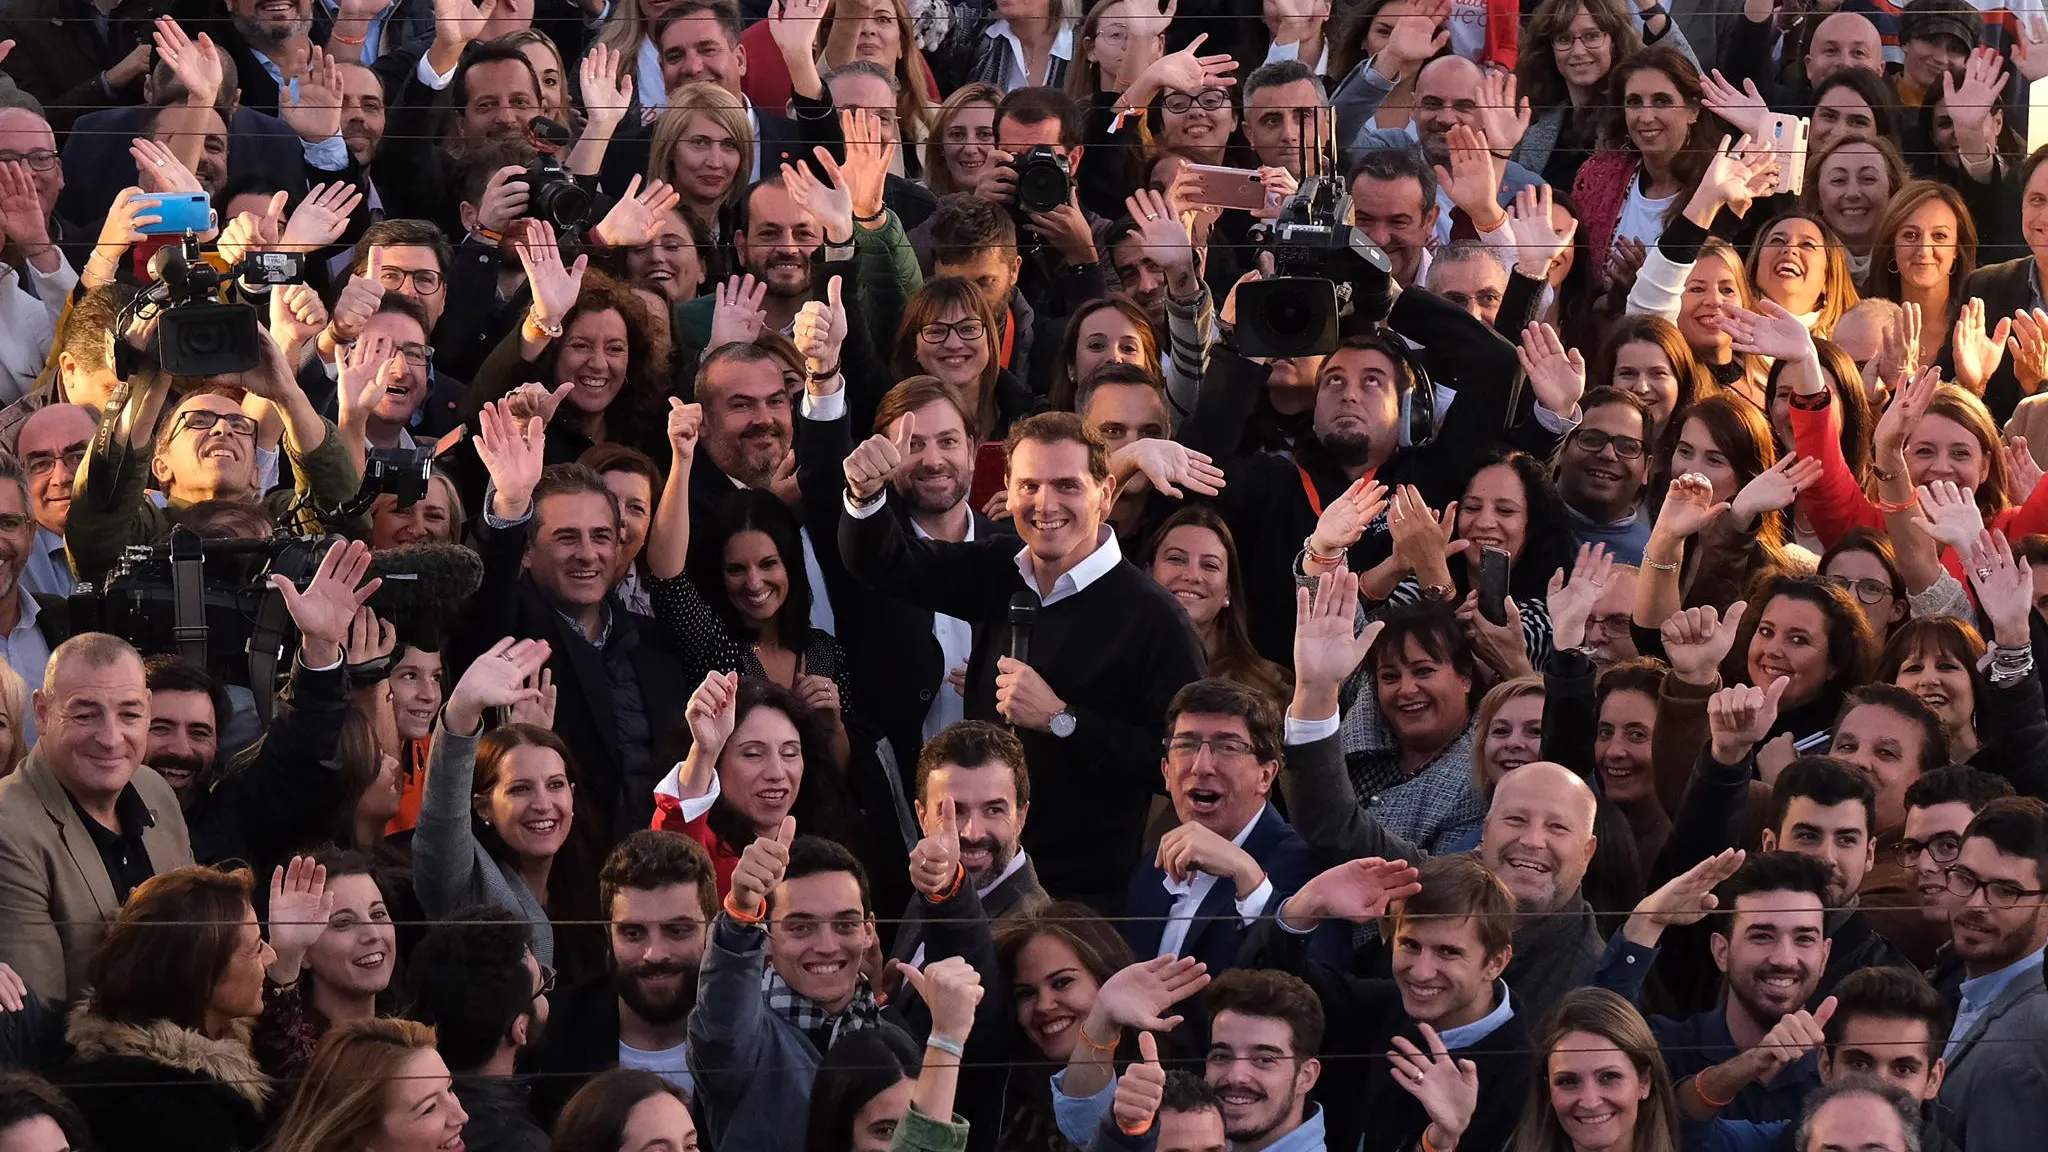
(1308, 488)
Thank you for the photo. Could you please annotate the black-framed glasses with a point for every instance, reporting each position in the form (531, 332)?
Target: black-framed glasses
(968, 330)
(547, 982)
(1868, 590)
(1997, 893)
(425, 281)
(1224, 747)
(38, 159)
(202, 420)
(1592, 440)
(1943, 846)
(1591, 38)
(1210, 100)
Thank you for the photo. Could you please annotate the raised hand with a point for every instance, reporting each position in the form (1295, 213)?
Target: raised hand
(607, 87)
(1684, 899)
(1160, 230)
(1743, 109)
(685, 424)
(832, 204)
(538, 709)
(1188, 70)
(359, 300)
(1471, 180)
(196, 65)
(712, 712)
(1949, 515)
(2029, 346)
(1973, 103)
(631, 221)
(1696, 640)
(1356, 890)
(1557, 375)
(2030, 48)
(1422, 540)
(555, 287)
(311, 104)
(1904, 413)
(1737, 175)
(1503, 118)
(760, 869)
(159, 170)
(877, 458)
(1625, 262)
(500, 678)
(1417, 36)
(1769, 331)
(370, 638)
(736, 312)
(512, 452)
(820, 330)
(364, 371)
(1140, 1089)
(1740, 716)
(1346, 518)
(1448, 1089)
(952, 989)
(793, 24)
(2005, 588)
(324, 609)
(1138, 996)
(296, 316)
(1571, 601)
(321, 217)
(2022, 471)
(1776, 487)
(21, 208)
(1795, 1034)
(865, 175)
(1328, 645)
(935, 861)
(1168, 465)
(1977, 355)
(457, 23)
(535, 400)
(300, 903)
(1539, 241)
(1689, 506)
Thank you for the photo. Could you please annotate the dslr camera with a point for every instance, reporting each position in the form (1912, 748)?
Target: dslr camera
(1045, 181)
(198, 334)
(552, 193)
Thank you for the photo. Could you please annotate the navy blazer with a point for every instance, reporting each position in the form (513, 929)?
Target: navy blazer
(97, 164)
(1217, 933)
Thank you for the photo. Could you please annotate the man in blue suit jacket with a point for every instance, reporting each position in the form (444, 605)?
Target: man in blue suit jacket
(1232, 858)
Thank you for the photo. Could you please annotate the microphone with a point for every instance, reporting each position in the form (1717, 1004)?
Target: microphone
(1023, 614)
(425, 578)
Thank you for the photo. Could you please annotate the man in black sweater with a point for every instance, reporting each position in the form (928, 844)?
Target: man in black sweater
(1108, 650)
(1446, 1012)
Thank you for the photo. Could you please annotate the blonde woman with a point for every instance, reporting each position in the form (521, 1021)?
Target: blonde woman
(374, 1084)
(14, 719)
(1596, 1054)
(963, 134)
(702, 146)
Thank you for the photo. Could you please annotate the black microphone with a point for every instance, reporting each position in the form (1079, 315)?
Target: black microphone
(425, 578)
(1023, 614)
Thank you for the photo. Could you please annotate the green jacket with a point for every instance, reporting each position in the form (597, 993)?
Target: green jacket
(95, 538)
(886, 274)
(921, 1133)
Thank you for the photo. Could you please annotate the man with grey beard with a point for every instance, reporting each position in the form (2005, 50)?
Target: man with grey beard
(905, 655)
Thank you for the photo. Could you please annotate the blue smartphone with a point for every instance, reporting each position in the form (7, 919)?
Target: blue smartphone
(178, 213)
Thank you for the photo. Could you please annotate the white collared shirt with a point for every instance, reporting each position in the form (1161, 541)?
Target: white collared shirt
(1015, 78)
(956, 642)
(1320, 66)
(1075, 580)
(1188, 896)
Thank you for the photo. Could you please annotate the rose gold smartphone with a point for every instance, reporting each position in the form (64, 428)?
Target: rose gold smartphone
(1215, 187)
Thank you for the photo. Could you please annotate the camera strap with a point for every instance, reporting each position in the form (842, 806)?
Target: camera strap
(273, 629)
(188, 596)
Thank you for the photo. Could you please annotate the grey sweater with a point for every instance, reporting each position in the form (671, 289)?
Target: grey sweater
(450, 868)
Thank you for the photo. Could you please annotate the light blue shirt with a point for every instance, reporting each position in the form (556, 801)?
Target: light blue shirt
(1466, 1035)
(373, 33)
(1077, 1119)
(329, 155)
(47, 571)
(1980, 993)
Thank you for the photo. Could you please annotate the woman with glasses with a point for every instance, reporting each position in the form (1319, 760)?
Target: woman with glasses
(499, 803)
(1573, 48)
(883, 33)
(1200, 127)
(669, 264)
(1115, 41)
(1862, 564)
(949, 331)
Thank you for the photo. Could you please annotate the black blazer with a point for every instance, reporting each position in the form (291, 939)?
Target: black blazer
(1020, 892)
(97, 164)
(1217, 935)
(2006, 288)
(59, 54)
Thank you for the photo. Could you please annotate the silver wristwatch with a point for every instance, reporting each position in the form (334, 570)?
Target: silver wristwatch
(1062, 724)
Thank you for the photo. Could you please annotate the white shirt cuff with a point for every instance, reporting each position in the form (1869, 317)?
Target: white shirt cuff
(1253, 906)
(329, 155)
(862, 511)
(1295, 731)
(1552, 422)
(695, 808)
(1280, 918)
(431, 78)
(824, 409)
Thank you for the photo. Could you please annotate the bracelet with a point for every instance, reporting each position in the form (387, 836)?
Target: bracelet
(490, 234)
(953, 889)
(1426, 1145)
(733, 911)
(1709, 1101)
(1318, 557)
(1881, 474)
(1109, 1047)
(883, 214)
(338, 38)
(949, 1046)
(1890, 506)
(822, 376)
(1441, 593)
(1140, 1130)
(551, 331)
(1500, 155)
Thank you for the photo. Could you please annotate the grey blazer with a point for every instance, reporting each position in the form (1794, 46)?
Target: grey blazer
(1996, 1091)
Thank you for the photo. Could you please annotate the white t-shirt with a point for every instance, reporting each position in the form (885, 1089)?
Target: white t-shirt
(1641, 217)
(670, 1064)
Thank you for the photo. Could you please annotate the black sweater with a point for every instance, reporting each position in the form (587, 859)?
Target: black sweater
(1115, 652)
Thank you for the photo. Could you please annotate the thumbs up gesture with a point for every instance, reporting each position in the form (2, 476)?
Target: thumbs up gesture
(761, 867)
(935, 862)
(876, 459)
(1139, 1092)
(819, 331)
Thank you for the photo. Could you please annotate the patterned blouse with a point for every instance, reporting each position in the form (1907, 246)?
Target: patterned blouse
(706, 645)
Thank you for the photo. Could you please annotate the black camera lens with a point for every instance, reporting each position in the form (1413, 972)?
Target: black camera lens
(563, 205)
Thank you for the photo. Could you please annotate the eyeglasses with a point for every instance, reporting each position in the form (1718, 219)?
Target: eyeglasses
(1592, 440)
(1868, 590)
(40, 160)
(1564, 41)
(968, 330)
(41, 465)
(1997, 893)
(425, 281)
(203, 419)
(1210, 99)
(1944, 847)
(419, 354)
(547, 982)
(1221, 747)
(1617, 624)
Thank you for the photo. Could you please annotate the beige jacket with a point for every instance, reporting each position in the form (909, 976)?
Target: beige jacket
(55, 897)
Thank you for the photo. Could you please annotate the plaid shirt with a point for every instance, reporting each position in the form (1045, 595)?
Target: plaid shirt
(821, 1028)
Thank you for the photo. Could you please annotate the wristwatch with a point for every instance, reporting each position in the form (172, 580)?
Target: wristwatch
(1062, 724)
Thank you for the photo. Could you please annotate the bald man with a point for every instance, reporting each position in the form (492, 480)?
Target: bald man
(82, 821)
(36, 278)
(1843, 40)
(1447, 94)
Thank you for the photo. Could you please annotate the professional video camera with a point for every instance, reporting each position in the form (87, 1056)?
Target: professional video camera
(1325, 270)
(552, 193)
(1045, 181)
(197, 334)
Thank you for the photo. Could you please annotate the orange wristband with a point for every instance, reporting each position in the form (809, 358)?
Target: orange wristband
(1109, 1047)
(1709, 1101)
(953, 889)
(1140, 1130)
(733, 911)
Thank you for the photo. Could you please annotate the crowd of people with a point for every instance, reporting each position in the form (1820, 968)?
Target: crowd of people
(791, 576)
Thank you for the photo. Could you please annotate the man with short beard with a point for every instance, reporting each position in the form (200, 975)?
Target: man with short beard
(900, 653)
(658, 893)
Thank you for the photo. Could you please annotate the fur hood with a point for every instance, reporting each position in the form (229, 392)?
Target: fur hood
(228, 1061)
